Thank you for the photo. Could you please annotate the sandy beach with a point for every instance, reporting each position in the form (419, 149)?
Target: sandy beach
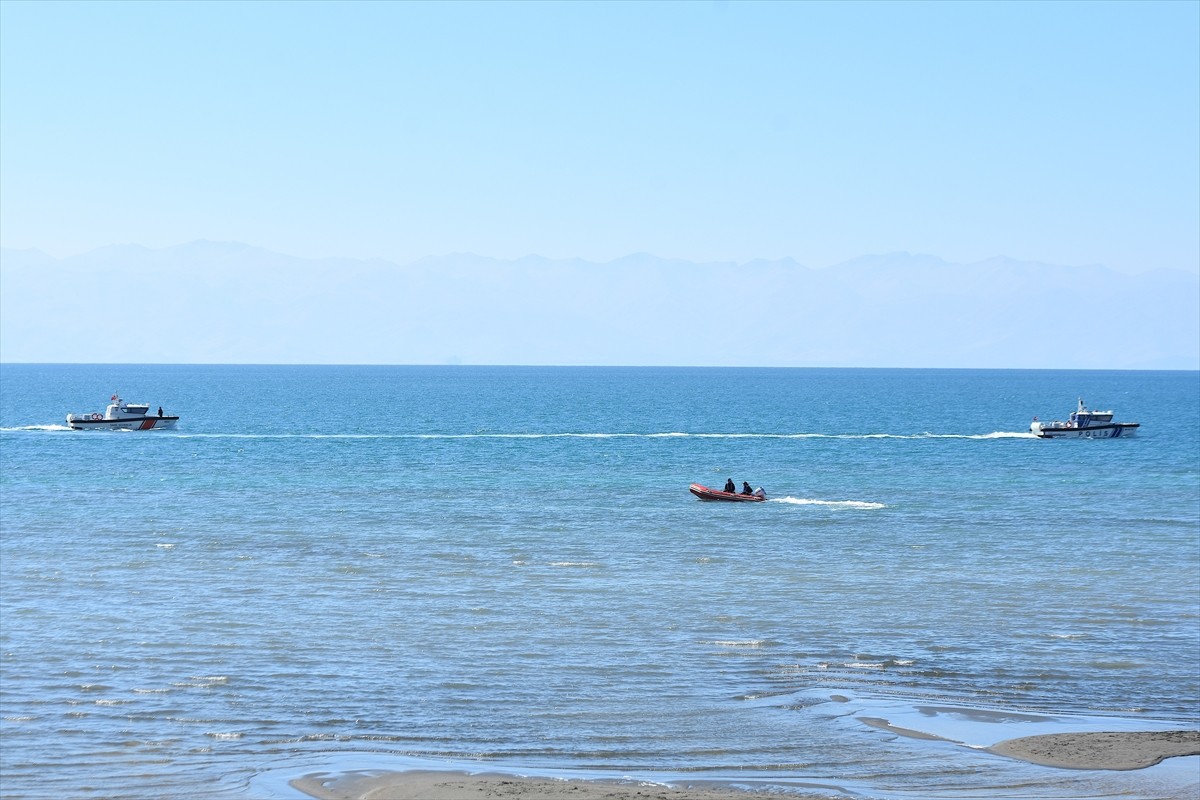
(463, 786)
(1111, 751)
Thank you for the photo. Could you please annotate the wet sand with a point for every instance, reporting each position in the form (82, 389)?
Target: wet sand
(1101, 750)
(462, 786)
(1112, 751)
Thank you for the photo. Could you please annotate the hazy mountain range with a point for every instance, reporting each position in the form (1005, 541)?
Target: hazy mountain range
(220, 302)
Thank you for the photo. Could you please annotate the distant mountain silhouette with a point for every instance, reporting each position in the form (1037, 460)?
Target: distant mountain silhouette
(226, 302)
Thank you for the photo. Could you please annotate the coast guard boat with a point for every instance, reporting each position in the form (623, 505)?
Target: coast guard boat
(1084, 424)
(122, 416)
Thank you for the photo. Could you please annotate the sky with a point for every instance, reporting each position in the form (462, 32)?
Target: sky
(1065, 133)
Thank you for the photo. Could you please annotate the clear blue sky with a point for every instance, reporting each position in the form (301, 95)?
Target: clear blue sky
(1060, 132)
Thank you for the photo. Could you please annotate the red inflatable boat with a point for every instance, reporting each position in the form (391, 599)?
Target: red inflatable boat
(705, 493)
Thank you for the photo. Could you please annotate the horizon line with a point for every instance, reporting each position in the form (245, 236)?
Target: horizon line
(532, 255)
(575, 366)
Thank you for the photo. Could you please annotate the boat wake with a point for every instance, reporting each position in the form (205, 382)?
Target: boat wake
(488, 435)
(35, 428)
(992, 435)
(804, 501)
(674, 435)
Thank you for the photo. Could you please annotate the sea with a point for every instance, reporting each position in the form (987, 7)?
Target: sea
(326, 569)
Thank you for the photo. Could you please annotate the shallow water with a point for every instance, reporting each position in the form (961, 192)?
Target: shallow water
(503, 566)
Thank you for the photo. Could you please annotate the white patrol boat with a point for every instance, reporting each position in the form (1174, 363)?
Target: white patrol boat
(1084, 424)
(122, 416)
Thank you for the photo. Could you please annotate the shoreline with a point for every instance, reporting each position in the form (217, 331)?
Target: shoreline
(1117, 751)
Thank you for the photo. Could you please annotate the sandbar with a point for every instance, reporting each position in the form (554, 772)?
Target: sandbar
(433, 785)
(1117, 751)
(1102, 750)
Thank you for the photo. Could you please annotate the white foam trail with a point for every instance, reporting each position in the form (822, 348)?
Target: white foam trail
(37, 428)
(992, 435)
(927, 435)
(594, 435)
(585, 435)
(804, 501)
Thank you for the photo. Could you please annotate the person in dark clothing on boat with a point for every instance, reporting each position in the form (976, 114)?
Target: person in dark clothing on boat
(160, 411)
(746, 488)
(730, 486)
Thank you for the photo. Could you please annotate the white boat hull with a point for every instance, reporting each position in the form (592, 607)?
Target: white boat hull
(1119, 430)
(130, 424)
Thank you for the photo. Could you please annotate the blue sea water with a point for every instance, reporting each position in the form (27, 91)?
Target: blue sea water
(333, 568)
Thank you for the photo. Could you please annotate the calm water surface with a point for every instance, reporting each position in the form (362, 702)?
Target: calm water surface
(328, 568)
